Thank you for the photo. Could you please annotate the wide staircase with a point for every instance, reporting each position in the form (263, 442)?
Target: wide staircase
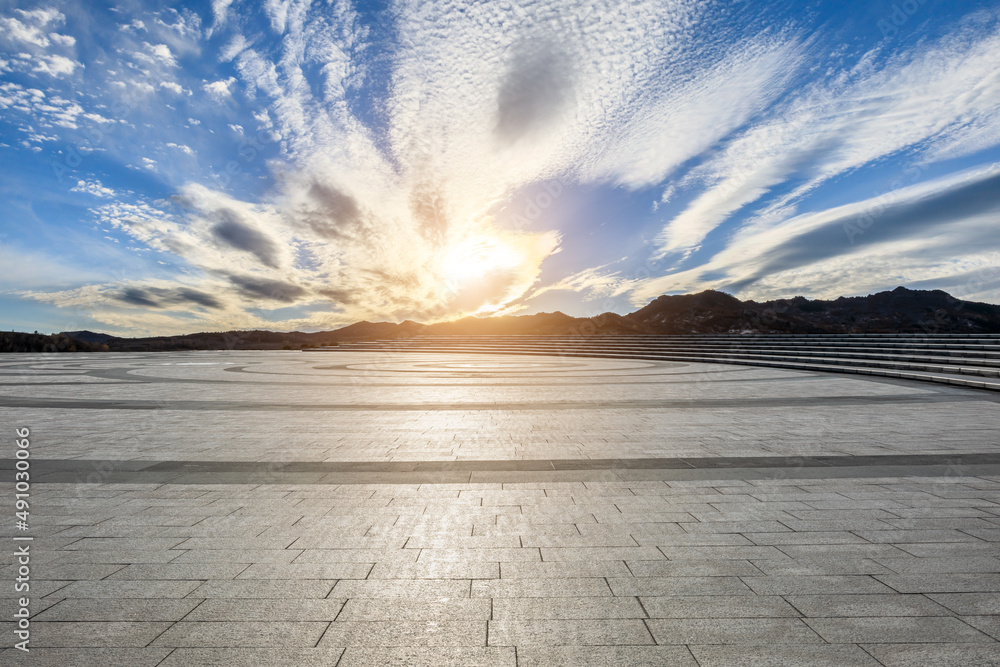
(969, 360)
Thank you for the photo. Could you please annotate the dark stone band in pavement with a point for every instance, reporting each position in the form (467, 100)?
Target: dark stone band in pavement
(806, 401)
(429, 472)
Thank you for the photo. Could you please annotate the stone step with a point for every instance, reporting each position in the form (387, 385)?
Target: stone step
(946, 356)
(991, 348)
(989, 339)
(959, 372)
(969, 368)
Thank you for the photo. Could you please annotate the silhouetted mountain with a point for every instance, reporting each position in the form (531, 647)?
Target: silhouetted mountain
(707, 312)
(899, 311)
(225, 340)
(539, 324)
(14, 341)
(711, 312)
(88, 336)
(381, 330)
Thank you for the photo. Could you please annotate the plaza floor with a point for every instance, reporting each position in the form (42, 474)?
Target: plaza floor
(379, 508)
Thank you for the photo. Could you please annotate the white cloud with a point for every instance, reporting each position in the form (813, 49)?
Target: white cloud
(16, 31)
(259, 74)
(42, 16)
(136, 86)
(46, 111)
(263, 119)
(181, 147)
(35, 137)
(30, 31)
(233, 48)
(62, 40)
(221, 89)
(277, 12)
(592, 283)
(180, 27)
(219, 10)
(55, 65)
(681, 122)
(175, 88)
(94, 188)
(162, 53)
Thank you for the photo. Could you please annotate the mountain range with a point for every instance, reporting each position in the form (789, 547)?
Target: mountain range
(901, 310)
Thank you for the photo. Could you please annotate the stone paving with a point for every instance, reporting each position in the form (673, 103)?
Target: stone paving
(301, 509)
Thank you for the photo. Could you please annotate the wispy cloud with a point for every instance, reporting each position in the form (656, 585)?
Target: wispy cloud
(862, 246)
(939, 101)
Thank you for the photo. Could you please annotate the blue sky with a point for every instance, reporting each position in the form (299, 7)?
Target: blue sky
(168, 168)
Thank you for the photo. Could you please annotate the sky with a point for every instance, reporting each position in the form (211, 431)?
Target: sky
(175, 167)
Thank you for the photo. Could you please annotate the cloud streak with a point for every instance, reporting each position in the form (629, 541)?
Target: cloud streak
(865, 244)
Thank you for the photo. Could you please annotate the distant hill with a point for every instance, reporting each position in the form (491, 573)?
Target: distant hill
(87, 336)
(15, 341)
(899, 311)
(710, 312)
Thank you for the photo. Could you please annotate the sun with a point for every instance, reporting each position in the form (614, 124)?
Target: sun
(473, 259)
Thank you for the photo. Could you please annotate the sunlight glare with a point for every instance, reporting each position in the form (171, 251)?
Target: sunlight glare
(476, 258)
